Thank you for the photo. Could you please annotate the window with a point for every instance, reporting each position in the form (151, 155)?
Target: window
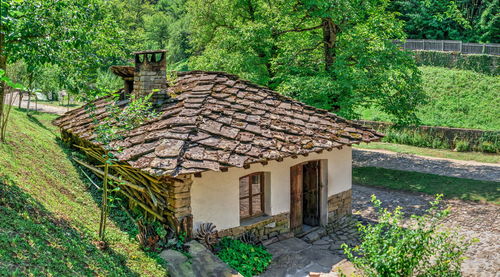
(252, 195)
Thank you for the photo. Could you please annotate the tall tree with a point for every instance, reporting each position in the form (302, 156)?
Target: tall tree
(466, 20)
(336, 54)
(53, 31)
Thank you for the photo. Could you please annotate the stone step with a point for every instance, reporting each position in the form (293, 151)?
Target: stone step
(314, 235)
(202, 262)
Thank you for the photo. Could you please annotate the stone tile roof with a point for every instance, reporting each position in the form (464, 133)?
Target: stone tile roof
(123, 70)
(217, 121)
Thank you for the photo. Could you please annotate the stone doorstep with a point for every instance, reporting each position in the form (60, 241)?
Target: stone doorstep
(203, 263)
(281, 237)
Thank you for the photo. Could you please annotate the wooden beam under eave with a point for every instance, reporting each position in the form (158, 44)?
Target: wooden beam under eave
(224, 169)
(197, 175)
(246, 166)
(264, 163)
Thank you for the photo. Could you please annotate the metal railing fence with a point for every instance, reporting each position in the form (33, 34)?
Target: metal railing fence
(450, 46)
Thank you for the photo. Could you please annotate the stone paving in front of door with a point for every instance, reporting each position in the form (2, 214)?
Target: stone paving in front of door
(316, 252)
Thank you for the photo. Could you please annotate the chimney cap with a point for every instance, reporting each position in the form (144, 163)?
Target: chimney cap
(149, 52)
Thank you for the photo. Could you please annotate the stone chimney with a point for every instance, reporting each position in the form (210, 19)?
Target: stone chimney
(150, 75)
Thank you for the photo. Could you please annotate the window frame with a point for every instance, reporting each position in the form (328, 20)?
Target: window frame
(251, 195)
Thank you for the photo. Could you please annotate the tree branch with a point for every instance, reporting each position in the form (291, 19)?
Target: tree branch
(298, 30)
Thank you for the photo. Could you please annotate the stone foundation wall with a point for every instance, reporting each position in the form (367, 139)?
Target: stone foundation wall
(179, 196)
(339, 205)
(179, 201)
(266, 229)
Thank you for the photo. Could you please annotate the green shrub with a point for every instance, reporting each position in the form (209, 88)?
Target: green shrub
(422, 249)
(247, 259)
(414, 137)
(487, 146)
(462, 146)
(486, 64)
(489, 142)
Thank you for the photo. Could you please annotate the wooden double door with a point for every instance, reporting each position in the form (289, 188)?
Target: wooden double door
(305, 185)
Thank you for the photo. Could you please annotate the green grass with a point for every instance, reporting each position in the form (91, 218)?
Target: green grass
(450, 187)
(437, 153)
(49, 217)
(457, 98)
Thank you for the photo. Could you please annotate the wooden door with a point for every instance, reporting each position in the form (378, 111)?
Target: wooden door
(296, 188)
(310, 193)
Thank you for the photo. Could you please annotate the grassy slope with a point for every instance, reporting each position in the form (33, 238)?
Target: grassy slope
(458, 98)
(48, 216)
(438, 153)
(450, 187)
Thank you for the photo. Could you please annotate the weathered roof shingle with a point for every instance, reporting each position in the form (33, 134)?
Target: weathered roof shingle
(218, 121)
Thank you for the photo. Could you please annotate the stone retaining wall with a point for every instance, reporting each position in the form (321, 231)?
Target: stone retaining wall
(339, 205)
(478, 140)
(266, 229)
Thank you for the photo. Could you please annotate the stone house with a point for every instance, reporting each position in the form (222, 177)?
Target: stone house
(226, 151)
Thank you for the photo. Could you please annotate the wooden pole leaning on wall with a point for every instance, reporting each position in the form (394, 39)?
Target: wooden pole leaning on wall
(135, 192)
(104, 208)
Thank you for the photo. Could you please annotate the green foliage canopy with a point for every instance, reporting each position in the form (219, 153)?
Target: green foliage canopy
(466, 20)
(334, 55)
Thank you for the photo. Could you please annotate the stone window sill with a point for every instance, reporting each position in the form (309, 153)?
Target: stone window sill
(253, 220)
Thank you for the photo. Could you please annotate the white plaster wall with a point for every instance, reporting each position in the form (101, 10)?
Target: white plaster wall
(215, 196)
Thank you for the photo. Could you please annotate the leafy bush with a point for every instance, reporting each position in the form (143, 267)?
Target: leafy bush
(462, 146)
(247, 259)
(488, 142)
(486, 64)
(414, 137)
(138, 111)
(422, 249)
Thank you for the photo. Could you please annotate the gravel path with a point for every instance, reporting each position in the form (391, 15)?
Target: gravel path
(473, 220)
(447, 167)
(297, 257)
(41, 107)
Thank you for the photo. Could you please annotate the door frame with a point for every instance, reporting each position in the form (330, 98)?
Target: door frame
(296, 190)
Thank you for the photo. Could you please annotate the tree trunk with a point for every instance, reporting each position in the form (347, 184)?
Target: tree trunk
(330, 31)
(20, 96)
(30, 90)
(29, 101)
(3, 66)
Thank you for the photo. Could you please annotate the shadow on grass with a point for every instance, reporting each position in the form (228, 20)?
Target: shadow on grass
(34, 242)
(119, 217)
(122, 219)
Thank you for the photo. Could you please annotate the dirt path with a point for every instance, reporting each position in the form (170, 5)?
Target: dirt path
(439, 166)
(40, 107)
(472, 219)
